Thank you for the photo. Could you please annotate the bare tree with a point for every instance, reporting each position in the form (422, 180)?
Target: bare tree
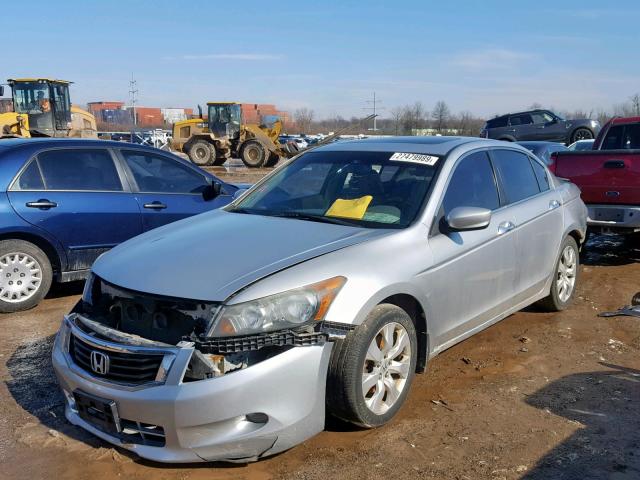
(396, 116)
(635, 102)
(303, 118)
(440, 115)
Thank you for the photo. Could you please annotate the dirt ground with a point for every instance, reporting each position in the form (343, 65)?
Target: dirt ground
(537, 396)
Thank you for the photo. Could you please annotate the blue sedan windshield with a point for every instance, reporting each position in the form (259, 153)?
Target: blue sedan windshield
(370, 189)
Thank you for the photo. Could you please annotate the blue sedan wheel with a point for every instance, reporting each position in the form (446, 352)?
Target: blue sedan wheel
(25, 275)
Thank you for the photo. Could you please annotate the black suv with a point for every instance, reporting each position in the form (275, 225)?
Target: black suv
(539, 125)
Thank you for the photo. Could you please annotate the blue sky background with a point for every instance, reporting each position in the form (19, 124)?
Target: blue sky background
(482, 56)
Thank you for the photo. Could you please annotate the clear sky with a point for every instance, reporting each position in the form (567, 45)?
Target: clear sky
(482, 56)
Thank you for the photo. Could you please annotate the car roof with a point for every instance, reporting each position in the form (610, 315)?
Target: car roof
(625, 120)
(436, 145)
(43, 142)
(539, 143)
(520, 113)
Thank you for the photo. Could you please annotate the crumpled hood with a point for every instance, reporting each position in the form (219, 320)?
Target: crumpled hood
(213, 255)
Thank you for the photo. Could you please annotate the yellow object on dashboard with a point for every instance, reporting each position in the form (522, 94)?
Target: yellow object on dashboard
(353, 208)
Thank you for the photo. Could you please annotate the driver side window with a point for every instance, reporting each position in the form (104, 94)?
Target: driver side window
(157, 174)
(472, 184)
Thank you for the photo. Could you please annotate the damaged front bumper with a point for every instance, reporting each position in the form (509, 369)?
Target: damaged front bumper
(250, 413)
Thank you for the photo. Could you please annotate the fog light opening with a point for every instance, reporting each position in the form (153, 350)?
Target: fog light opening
(260, 418)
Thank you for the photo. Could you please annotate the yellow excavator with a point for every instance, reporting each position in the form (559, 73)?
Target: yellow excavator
(42, 108)
(224, 134)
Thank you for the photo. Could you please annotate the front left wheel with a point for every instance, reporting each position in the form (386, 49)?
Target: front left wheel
(25, 275)
(372, 368)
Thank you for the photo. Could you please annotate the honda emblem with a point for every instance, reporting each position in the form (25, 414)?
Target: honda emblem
(99, 362)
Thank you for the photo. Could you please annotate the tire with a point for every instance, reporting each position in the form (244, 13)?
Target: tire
(558, 298)
(273, 160)
(350, 362)
(202, 153)
(19, 261)
(254, 154)
(581, 134)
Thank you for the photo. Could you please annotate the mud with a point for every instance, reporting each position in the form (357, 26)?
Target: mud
(537, 396)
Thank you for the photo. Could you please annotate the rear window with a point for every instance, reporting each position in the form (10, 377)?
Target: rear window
(622, 137)
(497, 122)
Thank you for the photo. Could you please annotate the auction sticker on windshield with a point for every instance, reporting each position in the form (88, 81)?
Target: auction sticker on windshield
(415, 158)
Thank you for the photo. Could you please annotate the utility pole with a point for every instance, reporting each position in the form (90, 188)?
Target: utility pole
(373, 108)
(133, 92)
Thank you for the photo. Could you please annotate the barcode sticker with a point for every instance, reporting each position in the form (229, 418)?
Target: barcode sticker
(415, 158)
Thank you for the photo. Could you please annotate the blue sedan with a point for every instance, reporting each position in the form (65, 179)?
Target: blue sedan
(66, 201)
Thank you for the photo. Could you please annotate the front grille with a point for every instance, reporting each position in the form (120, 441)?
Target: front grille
(132, 368)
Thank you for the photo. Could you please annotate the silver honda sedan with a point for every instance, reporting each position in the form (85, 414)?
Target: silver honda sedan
(322, 290)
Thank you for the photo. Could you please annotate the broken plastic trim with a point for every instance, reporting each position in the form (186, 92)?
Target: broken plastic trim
(323, 332)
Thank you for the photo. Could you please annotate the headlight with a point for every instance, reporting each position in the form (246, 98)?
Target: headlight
(276, 312)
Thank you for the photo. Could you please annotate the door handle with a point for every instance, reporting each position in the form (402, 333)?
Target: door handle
(155, 205)
(505, 227)
(553, 204)
(43, 203)
(614, 164)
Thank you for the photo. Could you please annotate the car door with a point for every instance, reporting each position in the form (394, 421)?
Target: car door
(537, 215)
(522, 127)
(472, 281)
(166, 189)
(80, 196)
(546, 127)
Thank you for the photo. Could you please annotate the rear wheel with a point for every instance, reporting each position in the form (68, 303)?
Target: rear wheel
(563, 286)
(581, 134)
(25, 275)
(372, 368)
(202, 153)
(254, 154)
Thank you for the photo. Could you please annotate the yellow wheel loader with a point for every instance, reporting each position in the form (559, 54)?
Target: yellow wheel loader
(42, 108)
(224, 135)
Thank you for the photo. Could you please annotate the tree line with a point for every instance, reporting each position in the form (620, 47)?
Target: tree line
(416, 119)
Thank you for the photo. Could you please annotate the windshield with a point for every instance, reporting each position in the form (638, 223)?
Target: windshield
(31, 97)
(369, 189)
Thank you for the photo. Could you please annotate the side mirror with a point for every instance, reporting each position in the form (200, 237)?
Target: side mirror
(211, 191)
(468, 218)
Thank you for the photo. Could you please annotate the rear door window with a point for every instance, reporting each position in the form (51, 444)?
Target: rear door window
(79, 169)
(472, 184)
(541, 176)
(524, 119)
(30, 179)
(497, 122)
(516, 174)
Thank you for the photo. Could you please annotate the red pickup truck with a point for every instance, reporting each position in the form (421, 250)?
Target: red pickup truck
(608, 175)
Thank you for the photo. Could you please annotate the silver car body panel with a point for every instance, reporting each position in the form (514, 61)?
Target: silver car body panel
(463, 282)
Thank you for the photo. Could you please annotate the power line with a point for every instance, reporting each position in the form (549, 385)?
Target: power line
(374, 108)
(133, 91)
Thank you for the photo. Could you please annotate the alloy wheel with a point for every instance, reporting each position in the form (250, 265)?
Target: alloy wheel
(566, 277)
(386, 368)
